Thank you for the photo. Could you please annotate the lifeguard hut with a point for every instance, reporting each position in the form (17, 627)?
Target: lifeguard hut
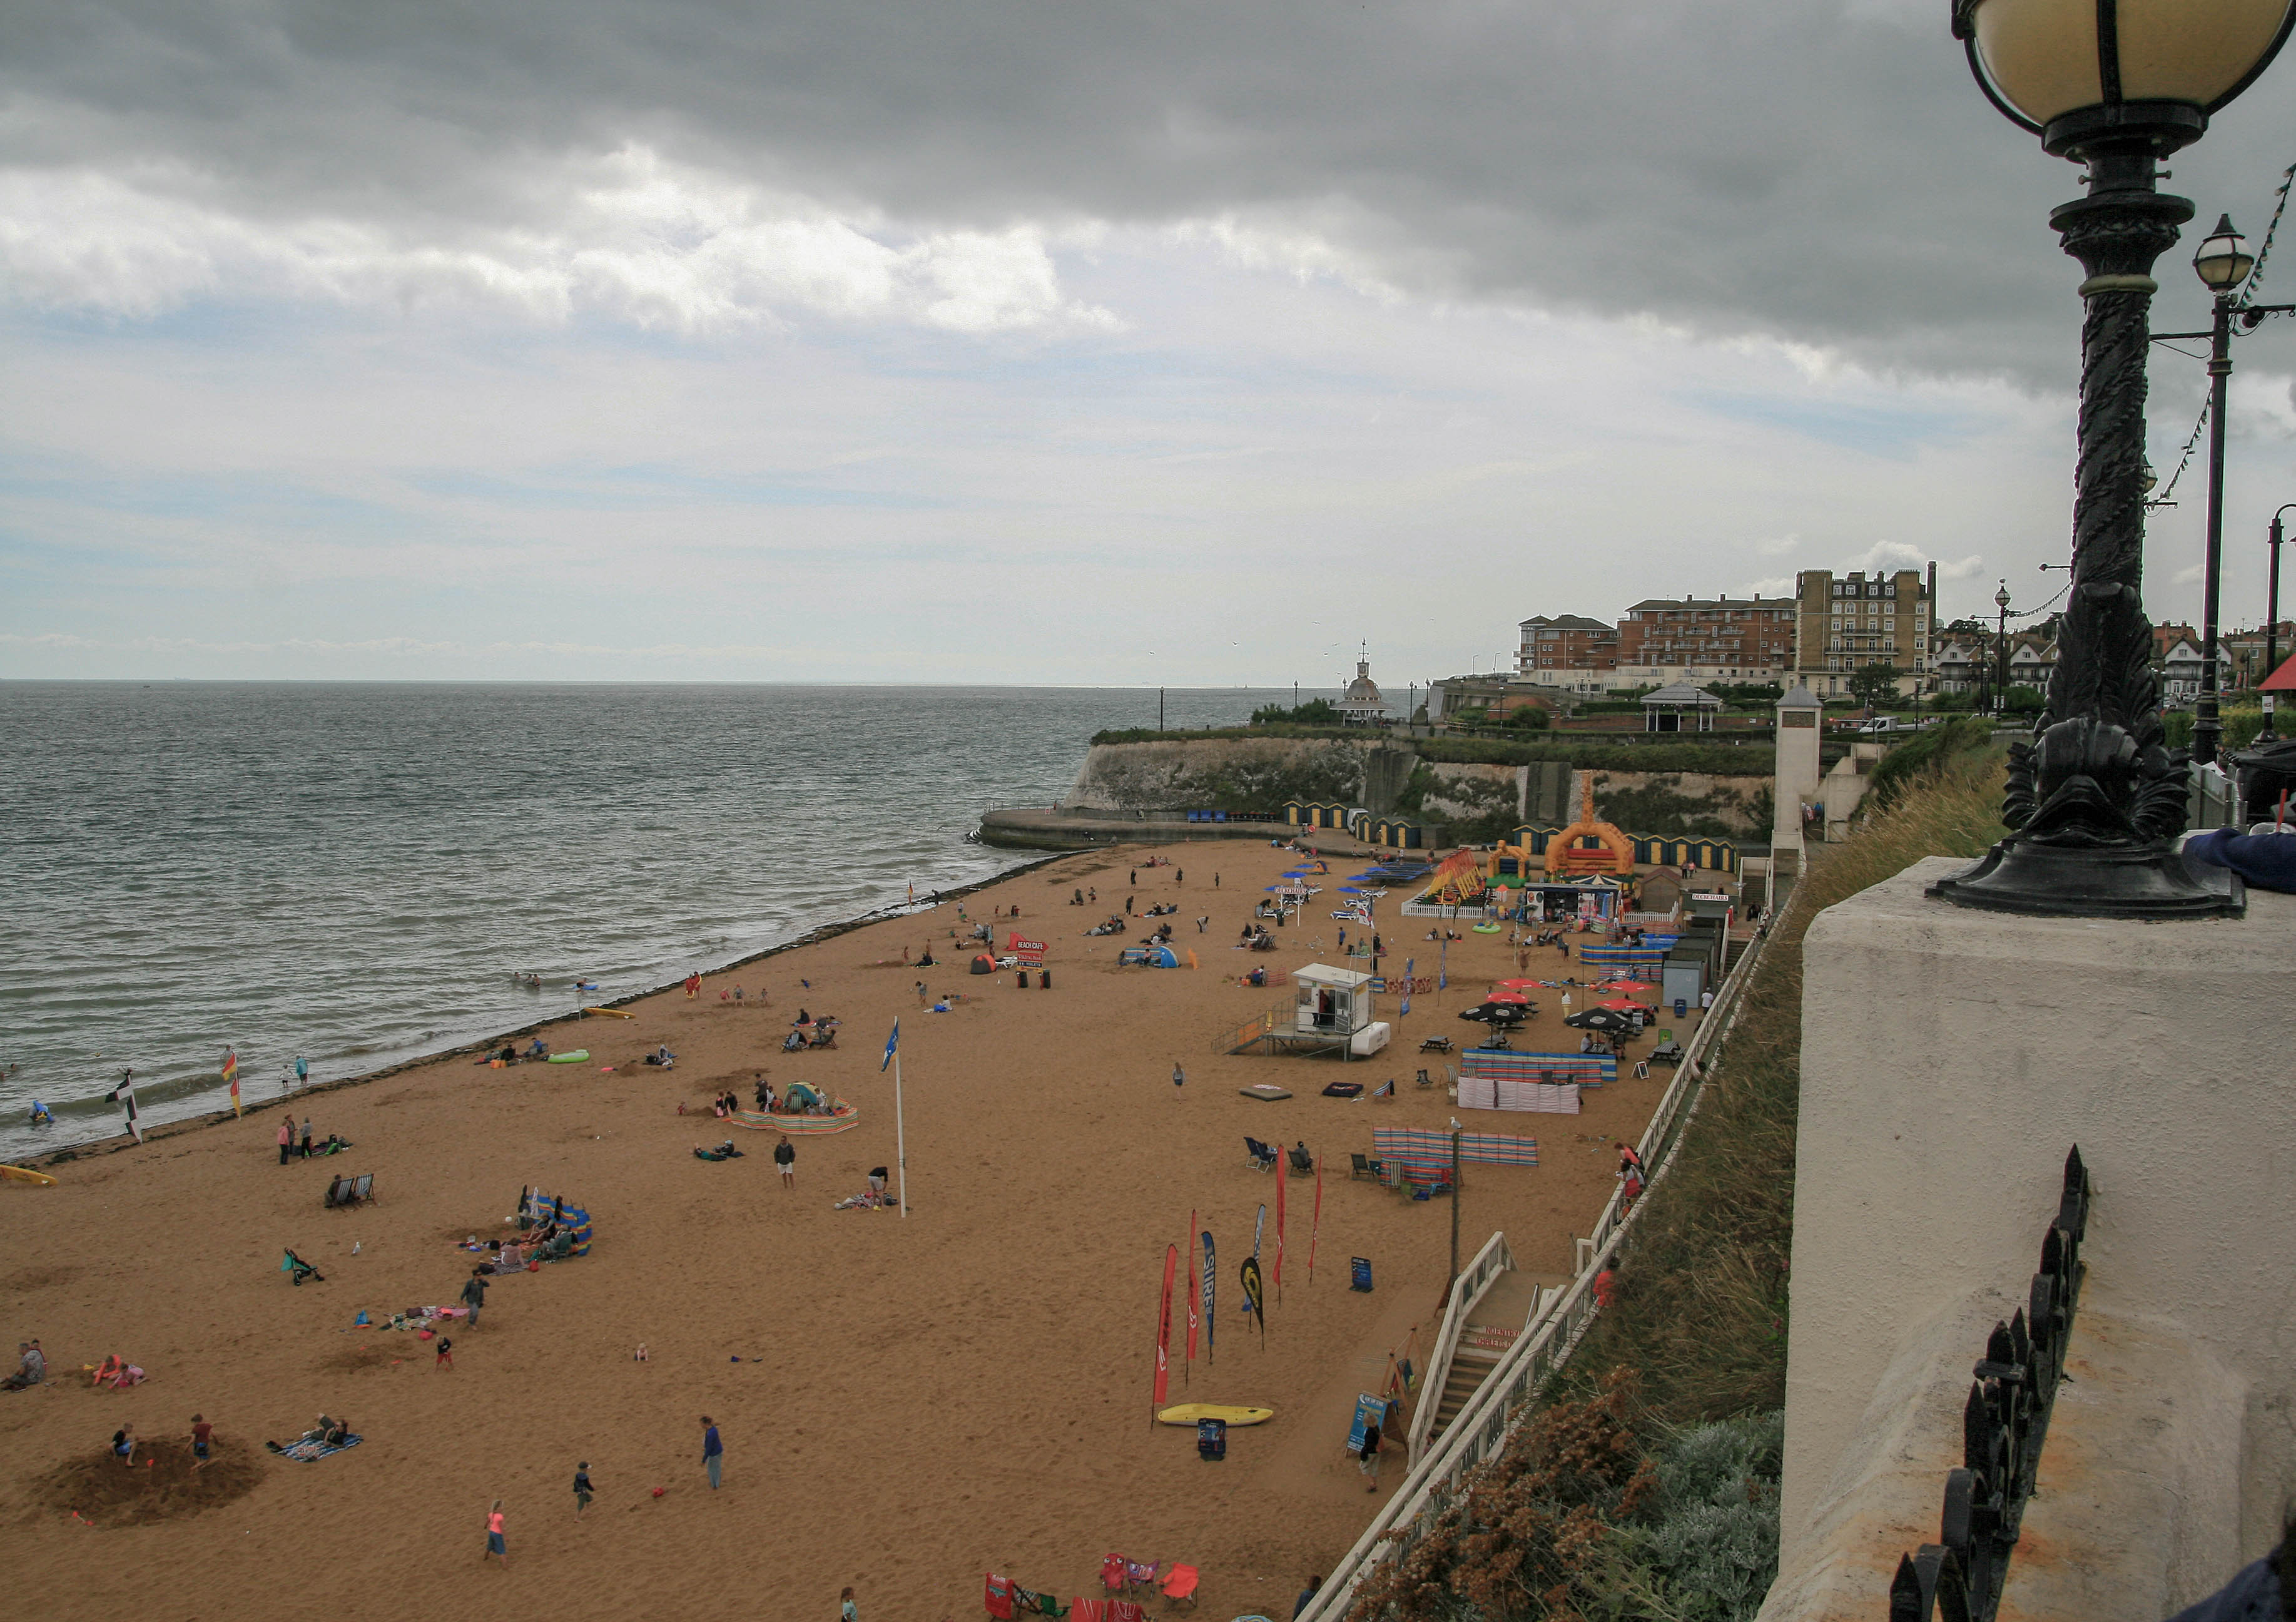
(1330, 1012)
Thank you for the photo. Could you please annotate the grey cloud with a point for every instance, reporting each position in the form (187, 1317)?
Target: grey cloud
(1799, 169)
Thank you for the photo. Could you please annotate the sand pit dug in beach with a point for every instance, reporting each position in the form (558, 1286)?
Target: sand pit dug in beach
(364, 1358)
(160, 1485)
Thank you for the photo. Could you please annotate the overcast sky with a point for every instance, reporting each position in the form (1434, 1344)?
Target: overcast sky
(1015, 341)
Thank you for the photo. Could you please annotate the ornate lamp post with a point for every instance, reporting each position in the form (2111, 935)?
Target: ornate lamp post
(2096, 798)
(2001, 643)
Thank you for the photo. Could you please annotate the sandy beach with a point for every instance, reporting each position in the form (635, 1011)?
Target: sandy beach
(905, 1404)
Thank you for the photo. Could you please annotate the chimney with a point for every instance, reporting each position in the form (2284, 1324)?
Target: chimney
(1932, 587)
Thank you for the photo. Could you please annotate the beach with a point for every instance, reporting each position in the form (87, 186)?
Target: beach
(906, 1402)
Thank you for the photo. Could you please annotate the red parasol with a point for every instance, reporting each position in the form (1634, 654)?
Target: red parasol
(1506, 997)
(1620, 1003)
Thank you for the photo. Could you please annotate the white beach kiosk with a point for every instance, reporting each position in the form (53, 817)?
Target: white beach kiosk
(1334, 1008)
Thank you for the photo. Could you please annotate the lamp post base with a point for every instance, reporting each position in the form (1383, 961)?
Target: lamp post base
(2145, 881)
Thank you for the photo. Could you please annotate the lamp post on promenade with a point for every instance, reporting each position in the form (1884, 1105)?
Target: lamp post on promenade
(2001, 646)
(2272, 540)
(2096, 798)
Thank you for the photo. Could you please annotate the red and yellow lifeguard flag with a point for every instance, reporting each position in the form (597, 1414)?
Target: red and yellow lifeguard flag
(1164, 1326)
(230, 1076)
(1284, 1176)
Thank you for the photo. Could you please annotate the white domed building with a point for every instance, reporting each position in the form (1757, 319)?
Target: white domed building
(1363, 705)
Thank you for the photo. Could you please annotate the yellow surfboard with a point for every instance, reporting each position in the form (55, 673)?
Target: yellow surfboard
(610, 1013)
(17, 1174)
(1188, 1413)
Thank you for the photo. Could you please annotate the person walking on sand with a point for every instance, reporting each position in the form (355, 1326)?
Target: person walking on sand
(846, 1610)
(286, 1139)
(713, 1451)
(306, 1137)
(924, 997)
(495, 1546)
(1179, 1076)
(446, 1353)
(202, 1441)
(785, 1161)
(1367, 1457)
(582, 1493)
(474, 1294)
(692, 986)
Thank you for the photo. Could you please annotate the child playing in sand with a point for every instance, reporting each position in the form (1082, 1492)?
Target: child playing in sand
(494, 1544)
(582, 1493)
(202, 1436)
(123, 1444)
(446, 1353)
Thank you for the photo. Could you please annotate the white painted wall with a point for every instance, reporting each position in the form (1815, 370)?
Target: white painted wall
(1949, 1058)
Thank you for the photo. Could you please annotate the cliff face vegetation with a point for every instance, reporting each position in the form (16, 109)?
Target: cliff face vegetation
(1236, 775)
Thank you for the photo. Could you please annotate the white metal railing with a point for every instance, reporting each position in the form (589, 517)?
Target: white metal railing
(1561, 1322)
(1466, 1290)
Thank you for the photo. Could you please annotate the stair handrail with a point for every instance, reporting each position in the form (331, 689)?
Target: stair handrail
(1467, 1290)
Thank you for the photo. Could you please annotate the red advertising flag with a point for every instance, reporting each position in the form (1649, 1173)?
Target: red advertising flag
(1192, 1299)
(1282, 1176)
(1316, 1226)
(1164, 1326)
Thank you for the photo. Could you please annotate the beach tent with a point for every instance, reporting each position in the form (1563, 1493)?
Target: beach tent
(801, 1095)
(1162, 957)
(983, 964)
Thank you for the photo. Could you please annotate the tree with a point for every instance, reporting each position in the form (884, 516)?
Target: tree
(1315, 712)
(1529, 718)
(1873, 684)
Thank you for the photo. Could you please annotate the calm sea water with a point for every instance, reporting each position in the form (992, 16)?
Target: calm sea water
(353, 872)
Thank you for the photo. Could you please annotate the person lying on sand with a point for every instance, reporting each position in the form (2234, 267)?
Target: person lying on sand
(724, 1151)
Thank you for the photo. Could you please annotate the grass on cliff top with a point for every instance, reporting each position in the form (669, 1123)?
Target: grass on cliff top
(1699, 1313)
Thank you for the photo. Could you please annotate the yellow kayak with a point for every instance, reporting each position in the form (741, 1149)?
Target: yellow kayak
(610, 1013)
(17, 1173)
(1188, 1413)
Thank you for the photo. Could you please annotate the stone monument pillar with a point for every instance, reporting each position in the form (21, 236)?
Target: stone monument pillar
(1799, 715)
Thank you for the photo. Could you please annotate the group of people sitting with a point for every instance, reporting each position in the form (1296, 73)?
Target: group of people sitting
(1160, 908)
(1256, 938)
(1115, 925)
(510, 1052)
(806, 1032)
(726, 1103)
(31, 1367)
(663, 1056)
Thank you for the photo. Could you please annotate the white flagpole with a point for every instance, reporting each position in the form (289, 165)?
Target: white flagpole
(900, 1136)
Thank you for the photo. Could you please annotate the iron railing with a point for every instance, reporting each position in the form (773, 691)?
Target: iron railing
(2003, 1425)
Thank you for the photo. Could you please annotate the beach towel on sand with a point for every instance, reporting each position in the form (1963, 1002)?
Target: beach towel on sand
(307, 1451)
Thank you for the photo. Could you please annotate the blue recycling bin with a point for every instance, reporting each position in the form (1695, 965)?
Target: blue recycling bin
(1682, 1008)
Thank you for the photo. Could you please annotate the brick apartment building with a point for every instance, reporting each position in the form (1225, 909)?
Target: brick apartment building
(1843, 623)
(1553, 644)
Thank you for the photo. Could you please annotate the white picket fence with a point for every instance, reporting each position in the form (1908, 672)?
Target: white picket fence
(1560, 1321)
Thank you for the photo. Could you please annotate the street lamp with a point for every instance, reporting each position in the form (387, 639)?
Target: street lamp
(2272, 618)
(2095, 799)
(2001, 644)
(2222, 264)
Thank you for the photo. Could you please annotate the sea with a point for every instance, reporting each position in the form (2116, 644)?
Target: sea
(353, 873)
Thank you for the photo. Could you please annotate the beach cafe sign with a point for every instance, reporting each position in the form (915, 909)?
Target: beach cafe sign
(1030, 952)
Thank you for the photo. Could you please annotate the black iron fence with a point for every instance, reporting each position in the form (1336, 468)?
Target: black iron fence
(2003, 1425)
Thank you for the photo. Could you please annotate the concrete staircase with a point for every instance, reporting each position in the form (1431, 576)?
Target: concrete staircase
(1492, 1328)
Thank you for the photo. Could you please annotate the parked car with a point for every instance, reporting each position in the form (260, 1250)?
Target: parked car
(1880, 724)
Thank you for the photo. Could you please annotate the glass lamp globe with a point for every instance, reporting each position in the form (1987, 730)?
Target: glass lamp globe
(2127, 66)
(2223, 261)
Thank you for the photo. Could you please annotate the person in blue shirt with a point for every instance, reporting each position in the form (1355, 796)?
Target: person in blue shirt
(713, 1451)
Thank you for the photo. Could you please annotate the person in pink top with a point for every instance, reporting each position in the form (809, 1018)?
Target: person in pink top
(286, 1139)
(494, 1544)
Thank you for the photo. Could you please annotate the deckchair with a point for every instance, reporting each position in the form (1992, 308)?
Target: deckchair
(1263, 1158)
(1029, 1602)
(350, 1190)
(1180, 1585)
(1361, 1165)
(1303, 1163)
